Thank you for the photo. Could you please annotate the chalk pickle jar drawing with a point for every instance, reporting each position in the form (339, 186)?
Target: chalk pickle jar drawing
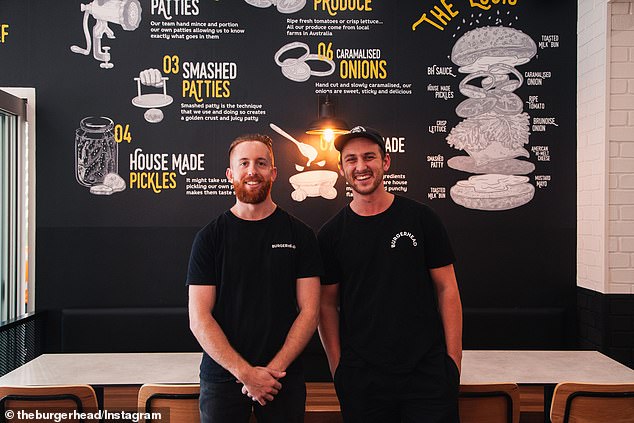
(96, 156)
(96, 151)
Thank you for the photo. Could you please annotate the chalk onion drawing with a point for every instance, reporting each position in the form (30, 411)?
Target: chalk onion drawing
(297, 68)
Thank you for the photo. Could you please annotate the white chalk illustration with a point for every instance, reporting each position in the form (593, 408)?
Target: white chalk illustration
(312, 183)
(96, 156)
(307, 150)
(112, 183)
(495, 128)
(492, 192)
(297, 68)
(126, 13)
(283, 6)
(152, 101)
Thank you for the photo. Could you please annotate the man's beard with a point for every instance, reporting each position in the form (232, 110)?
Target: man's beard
(249, 196)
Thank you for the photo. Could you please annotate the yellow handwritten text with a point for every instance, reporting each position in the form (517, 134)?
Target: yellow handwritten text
(439, 17)
(156, 181)
(4, 31)
(486, 4)
(200, 89)
(363, 69)
(334, 6)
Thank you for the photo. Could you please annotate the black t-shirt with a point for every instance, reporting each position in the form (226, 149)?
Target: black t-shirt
(388, 306)
(254, 266)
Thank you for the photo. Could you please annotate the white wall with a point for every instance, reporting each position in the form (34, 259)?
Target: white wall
(591, 145)
(605, 146)
(620, 278)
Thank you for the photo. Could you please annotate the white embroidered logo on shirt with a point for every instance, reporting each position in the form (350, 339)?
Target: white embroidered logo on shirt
(403, 234)
(292, 246)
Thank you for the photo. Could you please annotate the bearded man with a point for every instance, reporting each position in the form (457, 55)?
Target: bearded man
(253, 281)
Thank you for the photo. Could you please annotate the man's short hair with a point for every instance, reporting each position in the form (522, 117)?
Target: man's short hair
(264, 139)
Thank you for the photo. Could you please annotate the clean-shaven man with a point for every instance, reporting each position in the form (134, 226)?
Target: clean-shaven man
(391, 316)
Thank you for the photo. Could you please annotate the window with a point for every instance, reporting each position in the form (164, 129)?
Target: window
(17, 194)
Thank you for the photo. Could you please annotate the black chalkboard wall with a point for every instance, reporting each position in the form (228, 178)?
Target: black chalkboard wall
(476, 99)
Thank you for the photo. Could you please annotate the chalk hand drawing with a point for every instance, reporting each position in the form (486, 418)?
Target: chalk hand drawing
(296, 68)
(126, 13)
(495, 128)
(283, 6)
(152, 78)
(312, 183)
(96, 156)
(152, 101)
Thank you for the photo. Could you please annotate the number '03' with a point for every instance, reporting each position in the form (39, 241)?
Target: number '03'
(171, 64)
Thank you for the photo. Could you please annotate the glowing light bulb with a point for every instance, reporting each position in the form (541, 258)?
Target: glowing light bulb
(329, 135)
(326, 139)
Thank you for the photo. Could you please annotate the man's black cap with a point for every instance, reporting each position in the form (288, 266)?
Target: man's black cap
(360, 132)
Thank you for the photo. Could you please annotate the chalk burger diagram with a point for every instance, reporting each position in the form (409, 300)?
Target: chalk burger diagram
(495, 128)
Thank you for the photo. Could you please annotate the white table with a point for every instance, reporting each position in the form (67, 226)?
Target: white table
(116, 377)
(119, 375)
(542, 367)
(107, 369)
(112, 369)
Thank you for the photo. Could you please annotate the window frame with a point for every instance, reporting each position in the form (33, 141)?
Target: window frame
(17, 286)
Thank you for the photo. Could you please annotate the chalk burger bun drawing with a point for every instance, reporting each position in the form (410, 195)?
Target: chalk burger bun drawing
(482, 47)
(493, 192)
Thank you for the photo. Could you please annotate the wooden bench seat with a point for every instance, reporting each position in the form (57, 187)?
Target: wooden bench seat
(322, 405)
